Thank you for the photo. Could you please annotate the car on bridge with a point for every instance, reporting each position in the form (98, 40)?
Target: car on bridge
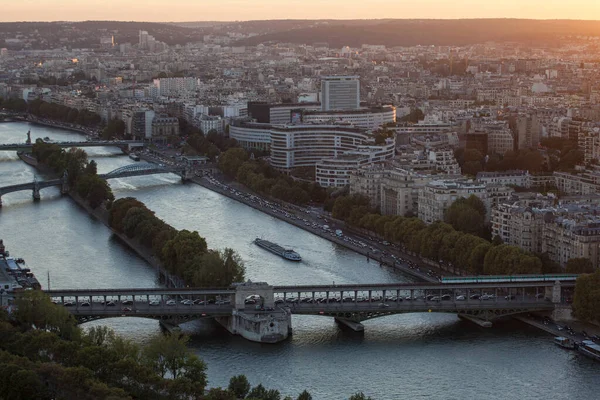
(154, 303)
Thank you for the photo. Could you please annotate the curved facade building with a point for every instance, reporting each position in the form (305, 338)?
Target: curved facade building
(251, 136)
(367, 118)
(335, 172)
(295, 146)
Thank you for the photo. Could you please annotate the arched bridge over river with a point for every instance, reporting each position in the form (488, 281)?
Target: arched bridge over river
(261, 312)
(138, 169)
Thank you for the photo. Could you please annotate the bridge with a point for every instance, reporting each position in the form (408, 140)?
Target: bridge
(138, 169)
(260, 312)
(122, 144)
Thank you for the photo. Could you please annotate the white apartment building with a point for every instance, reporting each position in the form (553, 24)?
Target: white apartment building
(340, 93)
(436, 196)
(185, 87)
(335, 172)
(567, 232)
(515, 178)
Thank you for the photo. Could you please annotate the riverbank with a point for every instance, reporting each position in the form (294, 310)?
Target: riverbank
(384, 261)
(102, 214)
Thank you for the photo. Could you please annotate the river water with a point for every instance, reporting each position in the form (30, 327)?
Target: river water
(413, 356)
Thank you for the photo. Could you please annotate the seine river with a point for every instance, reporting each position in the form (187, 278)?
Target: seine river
(413, 356)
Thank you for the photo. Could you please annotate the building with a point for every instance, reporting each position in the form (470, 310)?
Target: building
(528, 131)
(279, 114)
(335, 172)
(499, 140)
(251, 135)
(340, 93)
(563, 232)
(107, 42)
(176, 86)
(437, 196)
(366, 118)
(506, 178)
(164, 127)
(207, 123)
(141, 124)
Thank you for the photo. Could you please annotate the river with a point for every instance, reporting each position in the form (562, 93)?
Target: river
(411, 356)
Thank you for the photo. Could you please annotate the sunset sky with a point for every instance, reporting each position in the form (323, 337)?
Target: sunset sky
(230, 10)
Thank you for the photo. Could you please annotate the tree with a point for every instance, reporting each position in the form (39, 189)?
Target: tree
(239, 386)
(359, 396)
(586, 303)
(35, 310)
(170, 354)
(579, 266)
(467, 215)
(91, 168)
(231, 160)
(304, 396)
(220, 394)
(257, 392)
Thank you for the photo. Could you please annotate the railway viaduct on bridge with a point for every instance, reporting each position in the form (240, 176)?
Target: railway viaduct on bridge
(262, 313)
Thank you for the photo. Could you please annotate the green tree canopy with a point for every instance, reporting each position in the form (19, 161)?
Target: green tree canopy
(579, 266)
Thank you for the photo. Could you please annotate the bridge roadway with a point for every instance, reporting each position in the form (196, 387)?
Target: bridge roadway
(349, 302)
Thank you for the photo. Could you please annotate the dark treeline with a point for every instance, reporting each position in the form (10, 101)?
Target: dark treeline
(562, 155)
(183, 253)
(53, 111)
(259, 176)
(44, 355)
(82, 175)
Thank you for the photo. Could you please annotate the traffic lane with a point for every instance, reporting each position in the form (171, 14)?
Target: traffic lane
(146, 307)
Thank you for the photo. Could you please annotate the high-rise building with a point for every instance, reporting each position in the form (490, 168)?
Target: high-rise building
(143, 42)
(340, 93)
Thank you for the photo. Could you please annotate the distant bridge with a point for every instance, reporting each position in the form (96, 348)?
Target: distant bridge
(122, 144)
(348, 304)
(138, 169)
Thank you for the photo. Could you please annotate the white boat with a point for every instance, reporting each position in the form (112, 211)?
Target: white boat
(590, 349)
(564, 342)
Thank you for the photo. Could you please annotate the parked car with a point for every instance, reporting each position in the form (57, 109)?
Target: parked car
(171, 303)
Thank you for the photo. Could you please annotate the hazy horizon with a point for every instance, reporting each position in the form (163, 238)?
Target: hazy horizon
(240, 10)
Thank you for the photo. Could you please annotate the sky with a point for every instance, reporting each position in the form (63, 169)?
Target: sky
(238, 10)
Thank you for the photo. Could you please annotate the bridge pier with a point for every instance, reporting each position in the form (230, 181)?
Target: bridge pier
(477, 321)
(64, 187)
(36, 190)
(261, 323)
(0, 201)
(355, 326)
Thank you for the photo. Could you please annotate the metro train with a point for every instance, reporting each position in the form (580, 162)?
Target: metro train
(508, 278)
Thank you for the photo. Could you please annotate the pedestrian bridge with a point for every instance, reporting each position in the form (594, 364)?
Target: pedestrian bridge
(137, 169)
(349, 304)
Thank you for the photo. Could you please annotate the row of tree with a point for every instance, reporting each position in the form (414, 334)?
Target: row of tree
(59, 112)
(456, 242)
(183, 253)
(44, 355)
(53, 111)
(438, 241)
(82, 175)
(472, 161)
(259, 176)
